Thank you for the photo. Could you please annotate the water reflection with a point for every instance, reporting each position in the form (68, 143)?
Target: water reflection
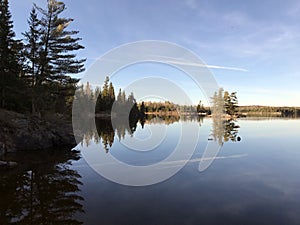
(43, 189)
(224, 130)
(106, 129)
(261, 188)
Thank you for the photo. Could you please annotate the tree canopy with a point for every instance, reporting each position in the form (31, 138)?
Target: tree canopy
(41, 65)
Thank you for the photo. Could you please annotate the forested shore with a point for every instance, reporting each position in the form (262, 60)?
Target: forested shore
(37, 85)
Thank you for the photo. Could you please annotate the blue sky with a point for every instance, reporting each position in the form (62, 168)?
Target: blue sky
(262, 38)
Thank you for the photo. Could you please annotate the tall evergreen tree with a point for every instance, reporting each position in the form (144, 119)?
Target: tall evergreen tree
(105, 92)
(111, 93)
(58, 45)
(32, 52)
(119, 97)
(143, 108)
(218, 103)
(227, 102)
(123, 97)
(234, 103)
(9, 67)
(57, 58)
(131, 98)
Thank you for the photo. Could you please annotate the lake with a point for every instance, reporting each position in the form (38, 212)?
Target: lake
(248, 175)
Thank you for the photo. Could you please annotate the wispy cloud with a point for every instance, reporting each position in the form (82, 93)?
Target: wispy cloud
(203, 65)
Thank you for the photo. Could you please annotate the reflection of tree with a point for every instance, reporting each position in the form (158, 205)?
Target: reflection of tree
(105, 132)
(47, 193)
(106, 129)
(224, 130)
(165, 119)
(192, 118)
(218, 129)
(120, 126)
(231, 131)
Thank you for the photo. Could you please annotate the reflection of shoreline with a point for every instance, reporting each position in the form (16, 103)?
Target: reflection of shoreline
(250, 115)
(163, 113)
(108, 128)
(43, 189)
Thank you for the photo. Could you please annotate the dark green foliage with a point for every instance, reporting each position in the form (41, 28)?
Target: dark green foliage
(106, 96)
(51, 59)
(201, 108)
(35, 73)
(143, 108)
(58, 44)
(231, 103)
(32, 51)
(106, 101)
(11, 85)
(160, 107)
(223, 102)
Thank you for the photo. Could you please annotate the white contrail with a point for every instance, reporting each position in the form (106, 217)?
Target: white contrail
(183, 63)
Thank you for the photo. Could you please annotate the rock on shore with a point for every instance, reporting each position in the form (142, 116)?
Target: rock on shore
(24, 132)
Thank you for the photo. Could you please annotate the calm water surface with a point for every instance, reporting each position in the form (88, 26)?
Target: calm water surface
(252, 181)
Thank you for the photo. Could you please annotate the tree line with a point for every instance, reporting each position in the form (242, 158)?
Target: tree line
(222, 102)
(168, 107)
(256, 110)
(106, 102)
(35, 72)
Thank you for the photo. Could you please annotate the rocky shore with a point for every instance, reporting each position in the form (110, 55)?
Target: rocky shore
(20, 132)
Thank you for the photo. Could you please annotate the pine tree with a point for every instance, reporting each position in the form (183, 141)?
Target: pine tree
(143, 108)
(234, 103)
(123, 97)
(111, 94)
(57, 58)
(131, 99)
(58, 44)
(105, 94)
(105, 87)
(227, 102)
(33, 46)
(119, 97)
(9, 67)
(218, 103)
(32, 52)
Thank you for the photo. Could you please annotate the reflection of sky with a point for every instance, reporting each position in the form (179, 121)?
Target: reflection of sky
(138, 152)
(262, 188)
(265, 128)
